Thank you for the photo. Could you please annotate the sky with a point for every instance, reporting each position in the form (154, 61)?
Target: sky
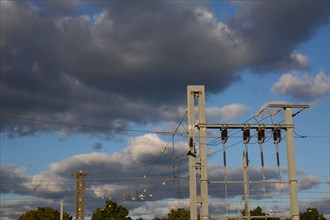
(101, 86)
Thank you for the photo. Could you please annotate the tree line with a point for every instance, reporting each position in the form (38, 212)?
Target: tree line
(113, 211)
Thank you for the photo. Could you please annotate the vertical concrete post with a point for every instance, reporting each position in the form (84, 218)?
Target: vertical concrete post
(192, 152)
(294, 204)
(246, 187)
(61, 210)
(197, 91)
(203, 156)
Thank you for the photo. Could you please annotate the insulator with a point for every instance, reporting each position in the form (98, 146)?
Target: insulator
(224, 135)
(277, 134)
(275, 112)
(261, 135)
(247, 158)
(278, 158)
(191, 143)
(246, 134)
(262, 158)
(224, 159)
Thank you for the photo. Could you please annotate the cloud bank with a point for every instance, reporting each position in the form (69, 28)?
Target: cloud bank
(142, 176)
(119, 63)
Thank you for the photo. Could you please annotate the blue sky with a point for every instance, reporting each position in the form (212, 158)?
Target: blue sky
(121, 69)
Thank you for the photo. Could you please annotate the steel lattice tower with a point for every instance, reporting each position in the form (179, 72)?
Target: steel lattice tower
(80, 194)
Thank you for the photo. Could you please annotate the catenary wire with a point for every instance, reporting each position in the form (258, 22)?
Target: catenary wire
(17, 117)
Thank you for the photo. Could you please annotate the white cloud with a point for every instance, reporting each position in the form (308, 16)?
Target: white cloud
(226, 113)
(299, 58)
(204, 15)
(106, 190)
(45, 184)
(305, 88)
(307, 182)
(159, 208)
(149, 145)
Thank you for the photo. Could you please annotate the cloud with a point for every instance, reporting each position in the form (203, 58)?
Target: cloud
(12, 179)
(305, 88)
(13, 209)
(49, 185)
(300, 59)
(153, 207)
(308, 182)
(273, 30)
(227, 113)
(101, 67)
(145, 169)
(98, 146)
(145, 166)
(321, 204)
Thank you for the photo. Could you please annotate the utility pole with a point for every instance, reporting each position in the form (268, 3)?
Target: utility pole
(294, 205)
(80, 194)
(61, 210)
(192, 153)
(246, 187)
(195, 162)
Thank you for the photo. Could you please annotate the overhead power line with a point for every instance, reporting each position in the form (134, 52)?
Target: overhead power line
(157, 160)
(17, 117)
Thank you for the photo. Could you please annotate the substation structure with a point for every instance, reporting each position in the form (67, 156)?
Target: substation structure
(80, 195)
(197, 127)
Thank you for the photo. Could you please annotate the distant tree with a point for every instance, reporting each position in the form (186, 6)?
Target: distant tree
(258, 212)
(111, 211)
(311, 214)
(179, 213)
(176, 214)
(45, 213)
(255, 212)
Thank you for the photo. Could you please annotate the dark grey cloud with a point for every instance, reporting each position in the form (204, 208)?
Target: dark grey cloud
(98, 146)
(60, 8)
(13, 209)
(257, 191)
(12, 179)
(118, 63)
(321, 204)
(273, 29)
